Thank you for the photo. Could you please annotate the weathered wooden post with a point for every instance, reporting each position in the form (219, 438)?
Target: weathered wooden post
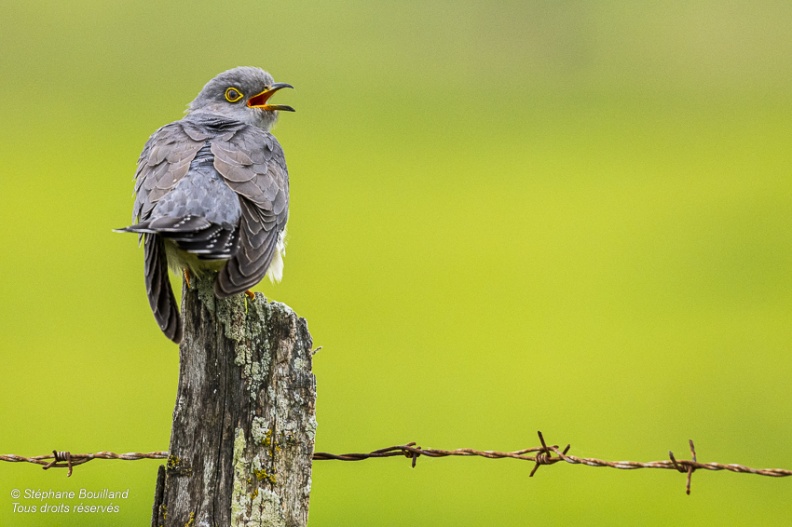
(244, 424)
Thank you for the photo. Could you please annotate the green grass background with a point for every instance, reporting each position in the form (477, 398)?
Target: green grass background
(506, 217)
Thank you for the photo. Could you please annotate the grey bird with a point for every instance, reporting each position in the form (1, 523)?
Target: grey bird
(212, 193)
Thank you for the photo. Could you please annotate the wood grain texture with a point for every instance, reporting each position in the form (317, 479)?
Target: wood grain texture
(244, 422)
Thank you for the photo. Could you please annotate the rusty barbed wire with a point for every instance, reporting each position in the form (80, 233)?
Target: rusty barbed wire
(65, 459)
(539, 455)
(551, 454)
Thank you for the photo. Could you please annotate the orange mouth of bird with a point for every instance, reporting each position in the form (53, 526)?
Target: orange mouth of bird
(260, 99)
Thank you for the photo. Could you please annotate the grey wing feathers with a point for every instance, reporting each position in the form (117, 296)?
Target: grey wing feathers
(199, 214)
(218, 189)
(252, 163)
(250, 263)
(164, 162)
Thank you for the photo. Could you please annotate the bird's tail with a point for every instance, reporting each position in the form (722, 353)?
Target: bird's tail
(158, 288)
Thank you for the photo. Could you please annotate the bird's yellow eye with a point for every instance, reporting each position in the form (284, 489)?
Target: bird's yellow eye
(233, 95)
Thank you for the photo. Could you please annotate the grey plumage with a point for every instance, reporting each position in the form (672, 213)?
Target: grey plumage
(212, 192)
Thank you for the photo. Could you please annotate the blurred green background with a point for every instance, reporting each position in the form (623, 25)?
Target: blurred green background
(506, 217)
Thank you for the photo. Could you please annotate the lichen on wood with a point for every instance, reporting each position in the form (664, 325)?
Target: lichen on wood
(244, 422)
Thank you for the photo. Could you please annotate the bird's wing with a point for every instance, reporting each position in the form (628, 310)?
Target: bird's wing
(164, 161)
(251, 162)
(180, 195)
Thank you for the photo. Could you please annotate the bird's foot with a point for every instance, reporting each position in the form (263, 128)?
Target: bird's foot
(187, 277)
(250, 294)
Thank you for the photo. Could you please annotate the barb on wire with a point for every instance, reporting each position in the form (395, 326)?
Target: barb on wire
(65, 459)
(690, 468)
(545, 455)
(540, 455)
(551, 454)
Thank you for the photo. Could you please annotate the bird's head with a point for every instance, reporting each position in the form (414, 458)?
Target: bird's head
(242, 94)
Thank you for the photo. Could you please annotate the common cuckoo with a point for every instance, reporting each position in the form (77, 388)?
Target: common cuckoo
(212, 193)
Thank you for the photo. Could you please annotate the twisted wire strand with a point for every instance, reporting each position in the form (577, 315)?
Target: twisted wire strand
(539, 455)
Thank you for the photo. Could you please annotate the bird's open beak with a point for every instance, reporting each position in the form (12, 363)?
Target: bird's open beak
(260, 100)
